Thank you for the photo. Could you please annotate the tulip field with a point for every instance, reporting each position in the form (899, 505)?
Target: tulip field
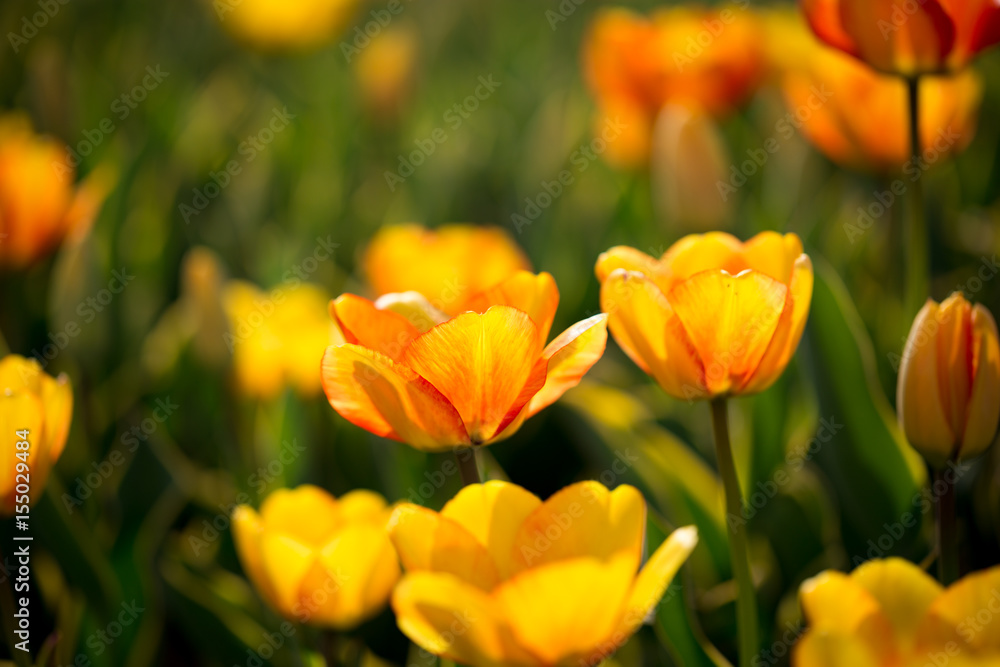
(575, 333)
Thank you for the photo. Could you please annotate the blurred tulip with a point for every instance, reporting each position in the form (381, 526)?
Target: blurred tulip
(317, 559)
(280, 24)
(713, 316)
(411, 373)
(948, 396)
(277, 338)
(878, 139)
(38, 204)
(890, 613)
(908, 38)
(530, 583)
(447, 265)
(34, 401)
(385, 70)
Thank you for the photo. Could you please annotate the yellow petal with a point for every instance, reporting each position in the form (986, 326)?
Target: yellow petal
(903, 590)
(19, 411)
(567, 611)
(833, 602)
(427, 541)
(583, 519)
(630, 259)
(365, 325)
(702, 252)
(773, 254)
(570, 356)
(493, 513)
(307, 513)
(983, 410)
(57, 397)
(247, 531)
(415, 307)
(20, 374)
(536, 295)
(818, 648)
(968, 614)
(486, 365)
(286, 562)
(362, 505)
(389, 399)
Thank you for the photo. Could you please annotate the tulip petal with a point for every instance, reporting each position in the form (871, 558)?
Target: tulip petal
(917, 43)
(570, 356)
(493, 513)
(18, 373)
(954, 360)
(773, 254)
(968, 614)
(566, 611)
(362, 505)
(374, 392)
(701, 252)
(365, 325)
(903, 590)
(307, 513)
(536, 295)
(286, 562)
(833, 602)
(918, 404)
(57, 397)
(983, 410)
(19, 411)
(247, 531)
(583, 519)
(428, 541)
(646, 328)
(484, 364)
(824, 18)
(415, 307)
(833, 649)
(630, 259)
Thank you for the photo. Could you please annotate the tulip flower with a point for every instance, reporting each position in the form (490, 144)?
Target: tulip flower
(907, 39)
(32, 401)
(276, 338)
(500, 578)
(385, 70)
(317, 559)
(889, 613)
(39, 206)
(409, 372)
(447, 265)
(278, 25)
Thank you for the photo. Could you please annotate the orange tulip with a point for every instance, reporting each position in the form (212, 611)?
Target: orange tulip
(411, 373)
(447, 265)
(907, 38)
(713, 316)
(878, 139)
(948, 397)
(38, 205)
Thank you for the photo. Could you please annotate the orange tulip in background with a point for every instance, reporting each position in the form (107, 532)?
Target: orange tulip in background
(38, 204)
(410, 372)
(948, 396)
(907, 37)
(713, 316)
(878, 139)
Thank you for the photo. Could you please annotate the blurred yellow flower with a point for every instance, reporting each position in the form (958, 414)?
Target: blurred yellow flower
(34, 401)
(878, 139)
(500, 578)
(890, 613)
(447, 265)
(713, 316)
(317, 559)
(283, 24)
(409, 372)
(386, 68)
(948, 395)
(38, 204)
(277, 338)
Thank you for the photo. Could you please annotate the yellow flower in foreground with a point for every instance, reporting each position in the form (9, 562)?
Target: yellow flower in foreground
(713, 316)
(890, 613)
(411, 373)
(276, 338)
(948, 395)
(500, 578)
(34, 401)
(447, 265)
(317, 559)
(280, 24)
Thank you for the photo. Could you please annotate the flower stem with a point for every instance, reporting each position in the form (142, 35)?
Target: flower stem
(746, 601)
(915, 235)
(468, 465)
(947, 537)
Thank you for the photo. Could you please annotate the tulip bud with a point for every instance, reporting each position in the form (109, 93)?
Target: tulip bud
(948, 396)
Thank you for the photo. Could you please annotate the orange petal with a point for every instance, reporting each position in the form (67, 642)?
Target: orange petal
(485, 364)
(773, 254)
(630, 259)
(968, 614)
(365, 325)
(983, 410)
(700, 252)
(893, 40)
(569, 358)
(825, 20)
(537, 296)
(954, 359)
(903, 590)
(977, 27)
(415, 307)
(374, 392)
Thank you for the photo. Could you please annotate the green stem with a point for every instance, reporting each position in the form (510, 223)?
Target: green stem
(746, 601)
(947, 536)
(915, 236)
(468, 464)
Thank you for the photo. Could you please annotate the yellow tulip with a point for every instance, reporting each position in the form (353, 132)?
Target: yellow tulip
(38, 204)
(278, 24)
(447, 265)
(33, 401)
(276, 338)
(499, 578)
(713, 316)
(948, 396)
(890, 613)
(385, 70)
(410, 372)
(317, 559)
